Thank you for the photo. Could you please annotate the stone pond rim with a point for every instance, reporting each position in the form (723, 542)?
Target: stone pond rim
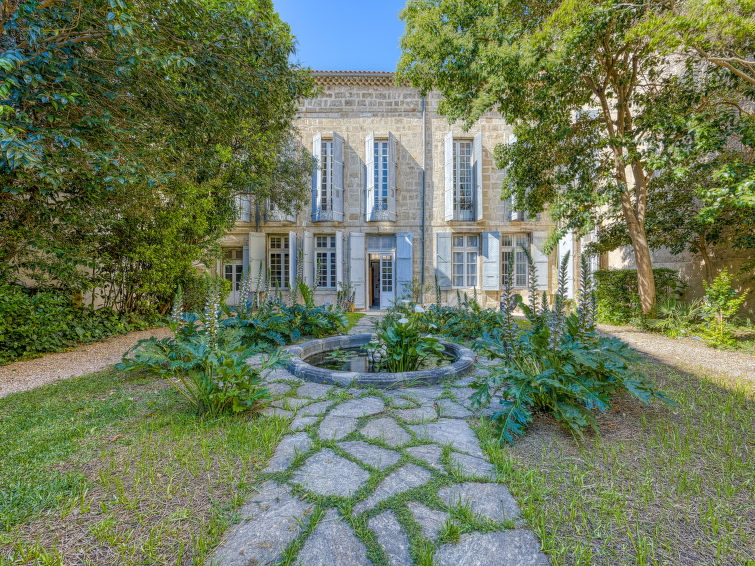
(463, 363)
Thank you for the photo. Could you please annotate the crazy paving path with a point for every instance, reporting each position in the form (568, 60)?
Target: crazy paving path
(372, 477)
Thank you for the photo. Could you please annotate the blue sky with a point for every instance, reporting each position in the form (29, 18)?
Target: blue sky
(345, 35)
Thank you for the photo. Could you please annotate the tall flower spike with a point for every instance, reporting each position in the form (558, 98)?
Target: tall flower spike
(212, 312)
(531, 282)
(177, 310)
(508, 304)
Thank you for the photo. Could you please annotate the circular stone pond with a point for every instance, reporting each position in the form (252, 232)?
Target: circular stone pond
(340, 360)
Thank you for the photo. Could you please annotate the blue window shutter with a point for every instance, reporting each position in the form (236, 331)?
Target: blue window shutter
(449, 176)
(392, 170)
(316, 176)
(257, 258)
(357, 267)
(308, 258)
(339, 257)
(491, 261)
(292, 259)
(369, 177)
(404, 265)
(477, 175)
(245, 260)
(337, 194)
(443, 259)
(541, 259)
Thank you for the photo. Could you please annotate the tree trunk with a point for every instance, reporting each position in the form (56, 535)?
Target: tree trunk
(635, 220)
(707, 263)
(645, 277)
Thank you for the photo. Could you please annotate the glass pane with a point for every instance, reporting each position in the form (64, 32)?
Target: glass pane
(473, 241)
(458, 241)
(506, 241)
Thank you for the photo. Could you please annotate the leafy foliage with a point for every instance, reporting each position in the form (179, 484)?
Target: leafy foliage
(597, 113)
(617, 294)
(126, 135)
(49, 321)
(559, 365)
(401, 343)
(720, 305)
(204, 361)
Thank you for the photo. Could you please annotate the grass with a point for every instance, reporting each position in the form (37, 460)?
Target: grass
(352, 318)
(656, 486)
(109, 469)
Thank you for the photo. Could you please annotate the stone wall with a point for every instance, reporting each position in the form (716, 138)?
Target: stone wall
(354, 106)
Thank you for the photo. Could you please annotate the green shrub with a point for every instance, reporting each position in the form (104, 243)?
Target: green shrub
(35, 323)
(195, 285)
(618, 296)
(720, 305)
(559, 364)
(676, 317)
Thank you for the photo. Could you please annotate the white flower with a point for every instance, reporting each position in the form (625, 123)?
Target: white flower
(403, 320)
(418, 309)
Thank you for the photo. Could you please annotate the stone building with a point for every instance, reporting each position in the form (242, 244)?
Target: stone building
(398, 196)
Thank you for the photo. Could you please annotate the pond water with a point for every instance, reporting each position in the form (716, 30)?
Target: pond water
(355, 359)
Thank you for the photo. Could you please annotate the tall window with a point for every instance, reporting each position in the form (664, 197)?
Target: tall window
(512, 244)
(278, 261)
(466, 249)
(326, 182)
(381, 175)
(233, 268)
(243, 208)
(325, 261)
(463, 189)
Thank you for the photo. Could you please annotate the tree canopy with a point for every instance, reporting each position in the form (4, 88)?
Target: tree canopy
(127, 129)
(600, 107)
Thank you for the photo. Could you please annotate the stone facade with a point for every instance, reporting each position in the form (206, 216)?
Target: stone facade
(354, 106)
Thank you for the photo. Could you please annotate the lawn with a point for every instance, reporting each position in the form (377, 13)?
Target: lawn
(656, 486)
(109, 469)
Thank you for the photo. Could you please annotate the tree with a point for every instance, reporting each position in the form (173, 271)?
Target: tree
(119, 117)
(584, 89)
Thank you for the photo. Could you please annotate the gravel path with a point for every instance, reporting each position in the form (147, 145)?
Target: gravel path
(686, 354)
(377, 460)
(28, 374)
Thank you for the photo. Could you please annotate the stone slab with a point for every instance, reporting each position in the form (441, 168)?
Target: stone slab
(400, 402)
(278, 388)
(430, 520)
(392, 538)
(313, 390)
(335, 428)
(386, 430)
(300, 423)
(405, 478)
(429, 453)
(270, 522)
(448, 408)
(455, 432)
(423, 395)
(490, 500)
(356, 408)
(418, 415)
(519, 547)
(327, 473)
(471, 466)
(287, 450)
(333, 543)
(291, 402)
(375, 456)
(315, 409)
(277, 412)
